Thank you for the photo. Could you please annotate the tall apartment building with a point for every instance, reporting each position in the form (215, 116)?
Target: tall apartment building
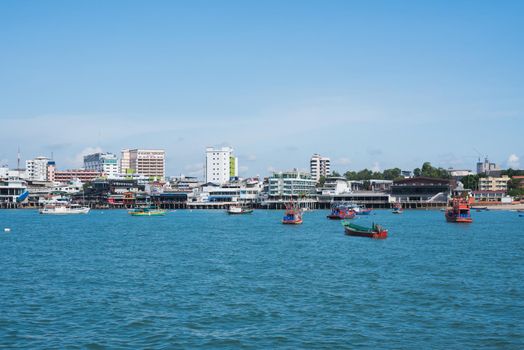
(147, 162)
(220, 165)
(104, 163)
(125, 160)
(40, 169)
(319, 166)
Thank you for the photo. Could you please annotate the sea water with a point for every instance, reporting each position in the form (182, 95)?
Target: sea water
(205, 279)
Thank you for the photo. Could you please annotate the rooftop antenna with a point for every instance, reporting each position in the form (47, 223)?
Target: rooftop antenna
(18, 159)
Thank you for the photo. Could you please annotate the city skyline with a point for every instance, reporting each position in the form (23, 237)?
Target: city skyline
(368, 85)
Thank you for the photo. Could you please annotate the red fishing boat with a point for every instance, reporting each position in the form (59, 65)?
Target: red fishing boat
(293, 215)
(341, 212)
(376, 231)
(459, 211)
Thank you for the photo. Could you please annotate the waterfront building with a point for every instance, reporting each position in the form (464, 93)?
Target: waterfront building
(147, 162)
(291, 184)
(64, 176)
(104, 163)
(335, 186)
(494, 183)
(319, 166)
(380, 185)
(422, 190)
(12, 189)
(487, 168)
(487, 197)
(218, 165)
(40, 169)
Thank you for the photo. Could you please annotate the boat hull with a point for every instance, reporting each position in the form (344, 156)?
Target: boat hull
(375, 234)
(248, 211)
(66, 212)
(458, 220)
(161, 213)
(292, 222)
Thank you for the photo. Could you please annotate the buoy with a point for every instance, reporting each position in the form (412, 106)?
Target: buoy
(7, 229)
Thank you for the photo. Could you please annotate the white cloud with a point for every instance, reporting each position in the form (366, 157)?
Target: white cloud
(376, 166)
(513, 161)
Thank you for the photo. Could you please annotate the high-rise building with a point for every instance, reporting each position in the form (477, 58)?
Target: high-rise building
(319, 166)
(218, 165)
(147, 162)
(105, 163)
(233, 166)
(40, 169)
(486, 167)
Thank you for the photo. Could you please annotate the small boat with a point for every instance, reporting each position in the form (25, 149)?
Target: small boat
(293, 215)
(64, 209)
(397, 208)
(341, 212)
(479, 208)
(459, 211)
(237, 209)
(360, 210)
(376, 231)
(147, 211)
(364, 211)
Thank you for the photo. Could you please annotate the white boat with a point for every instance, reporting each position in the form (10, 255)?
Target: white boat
(64, 209)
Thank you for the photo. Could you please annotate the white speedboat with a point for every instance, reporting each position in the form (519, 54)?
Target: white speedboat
(64, 209)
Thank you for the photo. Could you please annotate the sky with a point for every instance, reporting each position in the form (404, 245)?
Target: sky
(370, 84)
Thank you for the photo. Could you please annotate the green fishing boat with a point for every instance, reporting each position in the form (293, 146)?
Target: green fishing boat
(147, 211)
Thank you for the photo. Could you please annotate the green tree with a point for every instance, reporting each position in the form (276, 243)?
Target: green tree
(392, 174)
(470, 182)
(321, 181)
(335, 174)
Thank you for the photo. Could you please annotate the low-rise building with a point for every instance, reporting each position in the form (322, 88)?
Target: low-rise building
(64, 176)
(422, 189)
(489, 196)
(291, 184)
(494, 183)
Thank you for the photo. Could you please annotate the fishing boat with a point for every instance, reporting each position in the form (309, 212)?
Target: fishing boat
(397, 208)
(364, 211)
(375, 231)
(459, 211)
(341, 212)
(293, 215)
(147, 211)
(63, 209)
(238, 209)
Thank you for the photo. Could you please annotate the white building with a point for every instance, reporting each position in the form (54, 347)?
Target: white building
(291, 184)
(319, 166)
(105, 163)
(40, 169)
(219, 164)
(147, 162)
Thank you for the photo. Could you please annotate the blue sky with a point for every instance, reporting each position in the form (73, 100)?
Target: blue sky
(371, 84)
